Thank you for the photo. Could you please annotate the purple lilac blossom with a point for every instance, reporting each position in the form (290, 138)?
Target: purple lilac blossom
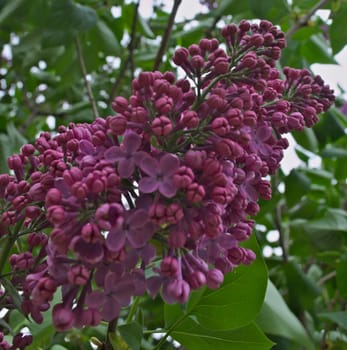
(173, 178)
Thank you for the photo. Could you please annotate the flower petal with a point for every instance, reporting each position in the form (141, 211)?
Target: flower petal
(88, 252)
(167, 189)
(86, 147)
(138, 239)
(168, 164)
(114, 154)
(138, 156)
(124, 290)
(138, 218)
(125, 168)
(131, 142)
(263, 132)
(111, 280)
(149, 165)
(110, 309)
(115, 240)
(95, 299)
(153, 285)
(148, 185)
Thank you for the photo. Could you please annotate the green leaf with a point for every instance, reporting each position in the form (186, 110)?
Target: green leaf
(195, 337)
(233, 7)
(58, 347)
(12, 291)
(17, 320)
(297, 185)
(42, 334)
(66, 19)
(316, 50)
(239, 299)
(272, 10)
(337, 30)
(341, 169)
(322, 233)
(70, 15)
(9, 8)
(104, 40)
(172, 313)
(334, 152)
(331, 127)
(10, 143)
(145, 28)
(339, 317)
(304, 4)
(305, 33)
(4, 324)
(333, 220)
(276, 318)
(341, 279)
(301, 289)
(306, 139)
(132, 334)
(319, 176)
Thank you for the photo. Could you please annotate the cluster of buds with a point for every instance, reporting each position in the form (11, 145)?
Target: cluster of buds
(168, 184)
(20, 342)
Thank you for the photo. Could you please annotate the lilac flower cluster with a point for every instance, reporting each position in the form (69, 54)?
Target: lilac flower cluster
(158, 197)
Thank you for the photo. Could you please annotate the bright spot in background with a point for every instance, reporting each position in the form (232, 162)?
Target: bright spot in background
(187, 9)
(272, 236)
(334, 75)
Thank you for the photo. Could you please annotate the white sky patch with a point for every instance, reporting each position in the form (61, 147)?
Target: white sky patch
(187, 10)
(267, 251)
(51, 122)
(277, 251)
(334, 74)
(290, 159)
(146, 8)
(116, 11)
(272, 236)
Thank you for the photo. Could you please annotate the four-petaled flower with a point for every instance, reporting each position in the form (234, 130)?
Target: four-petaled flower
(136, 230)
(126, 155)
(117, 293)
(160, 175)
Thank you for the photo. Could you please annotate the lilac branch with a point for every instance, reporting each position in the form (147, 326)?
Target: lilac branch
(84, 74)
(129, 60)
(111, 329)
(165, 40)
(302, 21)
(5, 252)
(210, 30)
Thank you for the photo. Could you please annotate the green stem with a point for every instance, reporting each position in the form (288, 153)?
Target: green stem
(209, 87)
(111, 329)
(133, 310)
(169, 331)
(153, 331)
(303, 21)
(6, 252)
(85, 79)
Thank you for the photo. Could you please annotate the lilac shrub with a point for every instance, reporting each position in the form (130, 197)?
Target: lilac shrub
(166, 186)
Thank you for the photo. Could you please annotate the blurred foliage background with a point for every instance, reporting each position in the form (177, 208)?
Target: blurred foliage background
(65, 60)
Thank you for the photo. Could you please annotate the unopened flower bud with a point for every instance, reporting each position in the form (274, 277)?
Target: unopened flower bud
(214, 278)
(169, 266)
(161, 126)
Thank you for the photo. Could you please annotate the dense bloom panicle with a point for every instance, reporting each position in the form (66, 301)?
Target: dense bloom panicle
(181, 166)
